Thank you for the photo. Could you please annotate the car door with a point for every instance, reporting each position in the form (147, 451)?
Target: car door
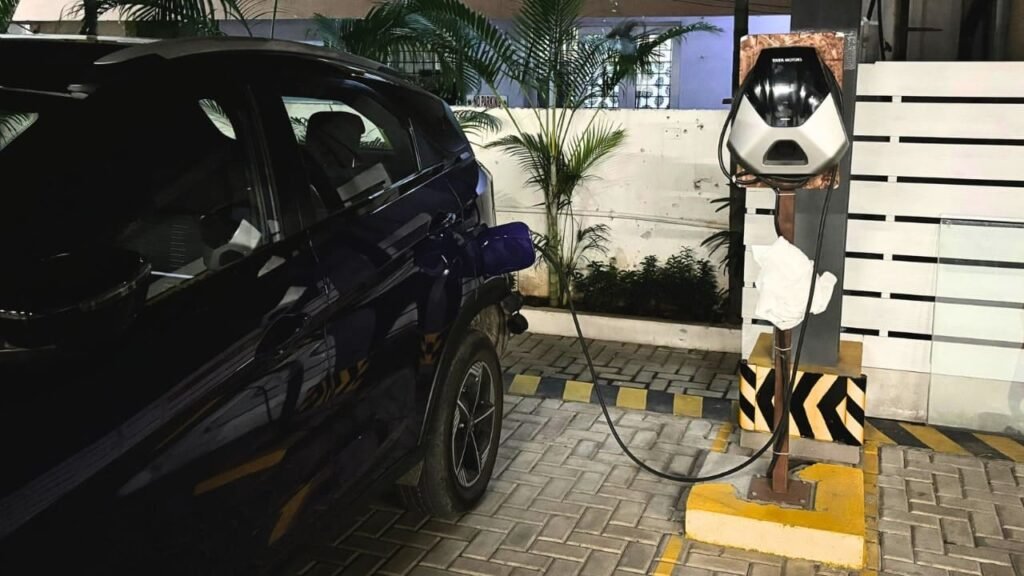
(376, 216)
(171, 442)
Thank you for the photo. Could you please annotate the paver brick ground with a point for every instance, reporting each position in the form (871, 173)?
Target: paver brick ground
(675, 370)
(949, 514)
(564, 500)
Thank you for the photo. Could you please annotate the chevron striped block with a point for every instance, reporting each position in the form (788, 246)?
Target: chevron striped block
(824, 406)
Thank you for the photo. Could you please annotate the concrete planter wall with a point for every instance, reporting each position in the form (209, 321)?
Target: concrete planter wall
(635, 330)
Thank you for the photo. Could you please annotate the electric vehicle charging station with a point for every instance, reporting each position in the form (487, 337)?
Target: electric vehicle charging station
(788, 132)
(785, 128)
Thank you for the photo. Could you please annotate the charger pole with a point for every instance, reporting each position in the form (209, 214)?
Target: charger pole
(785, 219)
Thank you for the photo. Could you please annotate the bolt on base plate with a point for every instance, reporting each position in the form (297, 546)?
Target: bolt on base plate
(800, 494)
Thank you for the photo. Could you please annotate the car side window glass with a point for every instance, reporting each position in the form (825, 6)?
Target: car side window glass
(202, 214)
(351, 145)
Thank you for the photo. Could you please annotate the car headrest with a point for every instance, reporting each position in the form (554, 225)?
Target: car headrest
(335, 133)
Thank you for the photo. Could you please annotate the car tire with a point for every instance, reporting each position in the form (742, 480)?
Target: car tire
(459, 456)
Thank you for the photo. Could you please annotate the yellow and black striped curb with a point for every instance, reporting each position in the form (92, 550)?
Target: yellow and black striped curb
(945, 440)
(877, 432)
(622, 397)
(824, 406)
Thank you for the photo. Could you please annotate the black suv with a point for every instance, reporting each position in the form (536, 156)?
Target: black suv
(244, 281)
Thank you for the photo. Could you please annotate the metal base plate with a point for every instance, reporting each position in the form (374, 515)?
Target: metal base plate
(800, 494)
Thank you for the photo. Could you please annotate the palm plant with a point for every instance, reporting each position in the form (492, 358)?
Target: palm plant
(477, 122)
(559, 72)
(7, 8)
(728, 240)
(172, 17)
(397, 32)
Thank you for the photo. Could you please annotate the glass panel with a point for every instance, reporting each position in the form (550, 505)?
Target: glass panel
(301, 109)
(977, 366)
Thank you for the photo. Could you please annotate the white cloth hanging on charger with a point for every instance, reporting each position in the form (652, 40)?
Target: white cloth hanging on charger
(783, 283)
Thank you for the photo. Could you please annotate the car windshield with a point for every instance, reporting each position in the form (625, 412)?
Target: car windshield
(78, 172)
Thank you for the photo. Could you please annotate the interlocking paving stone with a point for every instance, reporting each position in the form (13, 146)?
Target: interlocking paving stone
(521, 559)
(976, 520)
(639, 366)
(521, 536)
(717, 563)
(444, 553)
(596, 542)
(637, 557)
(479, 567)
(402, 562)
(572, 510)
(600, 564)
(485, 544)
(563, 551)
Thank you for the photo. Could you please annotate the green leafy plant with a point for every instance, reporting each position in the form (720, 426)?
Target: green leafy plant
(401, 31)
(683, 288)
(725, 241)
(558, 72)
(7, 8)
(477, 122)
(172, 18)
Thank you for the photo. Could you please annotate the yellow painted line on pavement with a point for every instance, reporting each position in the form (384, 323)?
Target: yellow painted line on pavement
(524, 385)
(684, 405)
(633, 398)
(251, 467)
(670, 557)
(722, 439)
(934, 439)
(577, 391)
(1007, 446)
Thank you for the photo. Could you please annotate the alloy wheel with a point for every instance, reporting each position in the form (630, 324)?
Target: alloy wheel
(473, 424)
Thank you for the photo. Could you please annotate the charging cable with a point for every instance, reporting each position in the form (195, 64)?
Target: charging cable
(781, 431)
(777, 434)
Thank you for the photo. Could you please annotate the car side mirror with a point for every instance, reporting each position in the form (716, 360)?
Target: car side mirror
(72, 297)
(505, 248)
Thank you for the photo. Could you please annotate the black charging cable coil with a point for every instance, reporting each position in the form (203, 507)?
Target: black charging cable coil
(780, 185)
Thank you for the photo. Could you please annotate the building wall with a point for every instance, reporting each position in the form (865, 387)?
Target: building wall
(654, 192)
(51, 10)
(701, 62)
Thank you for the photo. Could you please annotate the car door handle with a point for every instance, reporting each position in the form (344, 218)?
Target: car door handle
(280, 334)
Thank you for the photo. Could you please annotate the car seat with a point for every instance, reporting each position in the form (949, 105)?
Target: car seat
(333, 138)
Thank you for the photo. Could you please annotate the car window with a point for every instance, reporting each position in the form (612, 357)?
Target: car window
(153, 172)
(351, 145)
(300, 110)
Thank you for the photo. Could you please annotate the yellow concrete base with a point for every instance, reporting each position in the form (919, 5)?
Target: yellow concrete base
(832, 533)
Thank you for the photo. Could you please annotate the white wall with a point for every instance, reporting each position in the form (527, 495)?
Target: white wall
(653, 192)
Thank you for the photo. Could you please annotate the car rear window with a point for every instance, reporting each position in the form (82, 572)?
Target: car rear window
(150, 172)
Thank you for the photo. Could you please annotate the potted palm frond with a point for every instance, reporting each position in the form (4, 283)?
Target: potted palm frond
(559, 72)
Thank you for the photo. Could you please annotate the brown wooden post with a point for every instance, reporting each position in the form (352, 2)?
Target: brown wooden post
(785, 220)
